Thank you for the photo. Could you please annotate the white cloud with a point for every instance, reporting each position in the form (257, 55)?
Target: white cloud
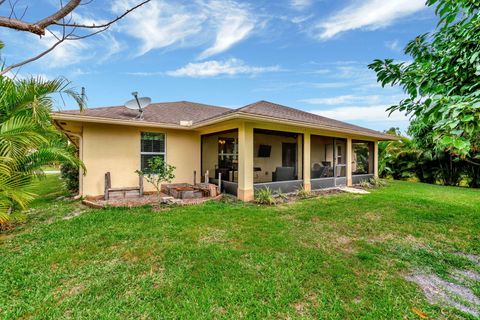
(214, 68)
(300, 4)
(301, 19)
(375, 113)
(65, 54)
(145, 74)
(368, 14)
(346, 99)
(233, 24)
(330, 85)
(163, 24)
(71, 52)
(393, 45)
(159, 24)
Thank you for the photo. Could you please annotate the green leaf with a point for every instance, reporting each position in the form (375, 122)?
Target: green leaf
(446, 140)
(454, 124)
(474, 57)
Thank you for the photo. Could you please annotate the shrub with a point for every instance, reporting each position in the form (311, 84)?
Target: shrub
(373, 183)
(69, 175)
(377, 182)
(303, 193)
(365, 184)
(158, 171)
(264, 196)
(280, 194)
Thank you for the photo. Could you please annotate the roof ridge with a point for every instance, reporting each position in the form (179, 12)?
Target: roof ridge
(176, 111)
(310, 114)
(153, 103)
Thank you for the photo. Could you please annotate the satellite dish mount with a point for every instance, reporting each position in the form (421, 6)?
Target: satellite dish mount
(138, 104)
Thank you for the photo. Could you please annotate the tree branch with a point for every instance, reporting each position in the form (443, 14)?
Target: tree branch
(472, 162)
(57, 19)
(38, 56)
(39, 27)
(21, 26)
(100, 26)
(60, 14)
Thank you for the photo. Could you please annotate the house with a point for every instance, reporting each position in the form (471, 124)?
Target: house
(260, 145)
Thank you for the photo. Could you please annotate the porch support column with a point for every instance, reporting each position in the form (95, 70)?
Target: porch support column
(375, 159)
(349, 161)
(245, 162)
(306, 161)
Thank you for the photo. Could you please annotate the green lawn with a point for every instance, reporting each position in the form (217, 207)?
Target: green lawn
(340, 256)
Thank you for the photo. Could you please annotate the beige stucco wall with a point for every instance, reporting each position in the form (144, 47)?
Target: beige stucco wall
(116, 149)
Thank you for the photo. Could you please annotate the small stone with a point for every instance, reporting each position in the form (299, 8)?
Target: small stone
(166, 199)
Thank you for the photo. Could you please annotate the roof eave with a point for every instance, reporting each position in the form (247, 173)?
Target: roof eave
(248, 116)
(211, 121)
(134, 123)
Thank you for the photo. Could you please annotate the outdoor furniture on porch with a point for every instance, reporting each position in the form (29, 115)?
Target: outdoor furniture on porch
(319, 171)
(284, 174)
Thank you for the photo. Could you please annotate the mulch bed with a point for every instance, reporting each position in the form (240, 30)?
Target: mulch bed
(151, 199)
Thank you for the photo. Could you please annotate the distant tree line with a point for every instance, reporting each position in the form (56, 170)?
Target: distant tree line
(416, 159)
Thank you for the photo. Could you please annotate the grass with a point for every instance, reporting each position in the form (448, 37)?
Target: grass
(341, 256)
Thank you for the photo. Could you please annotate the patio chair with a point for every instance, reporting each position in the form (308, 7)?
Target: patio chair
(283, 174)
(319, 171)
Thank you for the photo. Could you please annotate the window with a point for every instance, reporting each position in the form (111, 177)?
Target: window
(152, 145)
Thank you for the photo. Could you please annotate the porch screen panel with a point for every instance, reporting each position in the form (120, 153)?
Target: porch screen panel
(362, 157)
(340, 151)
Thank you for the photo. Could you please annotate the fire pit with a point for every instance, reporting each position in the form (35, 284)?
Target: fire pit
(182, 191)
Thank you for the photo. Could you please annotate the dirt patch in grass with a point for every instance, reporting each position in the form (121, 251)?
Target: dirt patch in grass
(68, 290)
(472, 257)
(467, 275)
(444, 293)
(303, 307)
(79, 210)
(212, 235)
(373, 216)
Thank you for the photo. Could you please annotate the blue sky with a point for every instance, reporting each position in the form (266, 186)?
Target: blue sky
(308, 54)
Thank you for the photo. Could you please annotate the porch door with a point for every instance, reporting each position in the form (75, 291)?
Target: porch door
(339, 161)
(289, 155)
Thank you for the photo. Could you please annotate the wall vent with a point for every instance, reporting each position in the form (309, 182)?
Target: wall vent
(186, 123)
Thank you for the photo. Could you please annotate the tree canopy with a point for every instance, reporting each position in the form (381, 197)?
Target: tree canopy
(442, 81)
(28, 140)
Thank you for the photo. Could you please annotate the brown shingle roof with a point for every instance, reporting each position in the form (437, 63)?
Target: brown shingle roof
(269, 109)
(164, 112)
(174, 112)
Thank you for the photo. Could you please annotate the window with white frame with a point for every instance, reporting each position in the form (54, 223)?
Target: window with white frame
(152, 145)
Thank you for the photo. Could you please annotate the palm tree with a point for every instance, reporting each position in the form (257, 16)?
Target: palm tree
(28, 140)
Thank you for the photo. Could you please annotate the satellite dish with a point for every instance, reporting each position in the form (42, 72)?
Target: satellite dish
(138, 104)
